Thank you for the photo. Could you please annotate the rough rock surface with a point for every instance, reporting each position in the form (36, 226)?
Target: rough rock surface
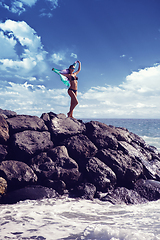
(4, 130)
(28, 143)
(17, 174)
(24, 122)
(30, 192)
(3, 186)
(51, 155)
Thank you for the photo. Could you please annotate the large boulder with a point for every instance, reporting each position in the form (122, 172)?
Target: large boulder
(25, 145)
(28, 193)
(62, 127)
(56, 165)
(7, 113)
(17, 174)
(126, 168)
(4, 130)
(123, 195)
(3, 186)
(84, 190)
(104, 136)
(152, 166)
(80, 147)
(25, 122)
(3, 152)
(149, 189)
(100, 174)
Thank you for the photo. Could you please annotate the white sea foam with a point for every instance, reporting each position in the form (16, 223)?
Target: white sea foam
(153, 141)
(67, 218)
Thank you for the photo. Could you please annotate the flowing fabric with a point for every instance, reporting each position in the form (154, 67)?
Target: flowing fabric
(63, 78)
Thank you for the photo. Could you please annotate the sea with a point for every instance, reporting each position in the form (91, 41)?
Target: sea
(78, 219)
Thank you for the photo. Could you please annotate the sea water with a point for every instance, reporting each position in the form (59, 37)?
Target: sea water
(67, 218)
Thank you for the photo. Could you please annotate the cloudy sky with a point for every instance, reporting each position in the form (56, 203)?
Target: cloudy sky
(117, 41)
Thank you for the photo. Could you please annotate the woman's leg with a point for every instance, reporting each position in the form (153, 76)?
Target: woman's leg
(74, 102)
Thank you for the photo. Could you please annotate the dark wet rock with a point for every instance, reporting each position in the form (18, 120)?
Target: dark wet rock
(3, 152)
(123, 195)
(28, 143)
(3, 186)
(58, 185)
(7, 113)
(126, 168)
(80, 147)
(17, 174)
(100, 174)
(25, 122)
(79, 159)
(149, 189)
(85, 191)
(100, 135)
(104, 136)
(56, 165)
(62, 127)
(4, 130)
(28, 193)
(142, 156)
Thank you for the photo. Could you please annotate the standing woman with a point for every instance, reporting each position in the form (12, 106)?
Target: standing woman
(73, 80)
(72, 91)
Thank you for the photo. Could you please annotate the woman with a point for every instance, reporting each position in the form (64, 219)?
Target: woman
(72, 91)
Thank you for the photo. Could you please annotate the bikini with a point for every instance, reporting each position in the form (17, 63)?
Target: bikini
(72, 79)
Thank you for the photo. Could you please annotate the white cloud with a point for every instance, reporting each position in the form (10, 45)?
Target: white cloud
(22, 51)
(32, 99)
(57, 58)
(49, 15)
(73, 55)
(122, 56)
(63, 58)
(19, 6)
(137, 97)
(145, 80)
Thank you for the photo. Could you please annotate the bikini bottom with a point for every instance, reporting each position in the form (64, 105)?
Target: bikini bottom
(72, 90)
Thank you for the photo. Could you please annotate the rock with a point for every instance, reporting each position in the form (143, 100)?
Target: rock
(100, 174)
(104, 136)
(28, 143)
(142, 156)
(8, 113)
(3, 152)
(17, 174)
(149, 189)
(4, 130)
(99, 134)
(123, 195)
(78, 159)
(62, 127)
(28, 193)
(126, 168)
(3, 186)
(58, 185)
(84, 191)
(25, 122)
(80, 147)
(56, 165)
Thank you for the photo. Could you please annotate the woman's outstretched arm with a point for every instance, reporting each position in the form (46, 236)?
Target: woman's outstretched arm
(79, 67)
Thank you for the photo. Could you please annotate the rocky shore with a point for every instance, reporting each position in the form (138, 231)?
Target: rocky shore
(52, 156)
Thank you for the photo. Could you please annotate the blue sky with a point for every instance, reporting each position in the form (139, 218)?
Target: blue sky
(117, 41)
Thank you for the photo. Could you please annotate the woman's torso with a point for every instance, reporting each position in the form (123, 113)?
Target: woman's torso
(73, 82)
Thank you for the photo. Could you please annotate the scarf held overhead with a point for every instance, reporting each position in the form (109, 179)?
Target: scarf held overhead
(63, 78)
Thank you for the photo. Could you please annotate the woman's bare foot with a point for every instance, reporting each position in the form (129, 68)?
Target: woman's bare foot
(69, 114)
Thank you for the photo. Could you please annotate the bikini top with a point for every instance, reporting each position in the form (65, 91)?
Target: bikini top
(74, 78)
